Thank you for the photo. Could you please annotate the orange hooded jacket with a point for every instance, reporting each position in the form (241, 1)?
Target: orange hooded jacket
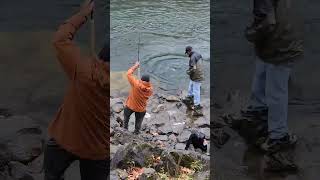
(81, 125)
(139, 93)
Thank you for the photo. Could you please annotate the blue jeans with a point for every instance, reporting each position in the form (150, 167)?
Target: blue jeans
(194, 90)
(270, 91)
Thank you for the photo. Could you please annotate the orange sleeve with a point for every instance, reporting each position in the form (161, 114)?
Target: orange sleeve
(67, 52)
(132, 80)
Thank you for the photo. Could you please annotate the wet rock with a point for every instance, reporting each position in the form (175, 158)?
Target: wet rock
(184, 136)
(159, 108)
(180, 146)
(172, 98)
(162, 138)
(202, 122)
(19, 171)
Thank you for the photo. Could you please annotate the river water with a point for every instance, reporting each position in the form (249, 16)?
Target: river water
(165, 28)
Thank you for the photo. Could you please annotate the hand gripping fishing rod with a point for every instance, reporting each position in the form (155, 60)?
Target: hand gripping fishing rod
(92, 34)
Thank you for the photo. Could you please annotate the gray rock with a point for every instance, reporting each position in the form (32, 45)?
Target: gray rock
(159, 108)
(36, 165)
(118, 107)
(184, 136)
(26, 145)
(206, 131)
(202, 122)
(162, 137)
(114, 175)
(202, 175)
(177, 128)
(165, 129)
(122, 174)
(172, 138)
(19, 171)
(148, 173)
(172, 98)
(180, 146)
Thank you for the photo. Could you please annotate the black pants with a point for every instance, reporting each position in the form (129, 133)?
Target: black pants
(139, 118)
(57, 160)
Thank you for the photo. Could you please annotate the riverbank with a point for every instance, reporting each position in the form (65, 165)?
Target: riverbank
(166, 128)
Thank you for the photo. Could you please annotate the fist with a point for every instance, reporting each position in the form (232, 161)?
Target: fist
(87, 7)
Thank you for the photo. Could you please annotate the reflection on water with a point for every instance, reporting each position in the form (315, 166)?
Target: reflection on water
(165, 28)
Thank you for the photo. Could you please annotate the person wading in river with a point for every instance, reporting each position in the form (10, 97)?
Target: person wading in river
(278, 42)
(196, 77)
(80, 130)
(139, 94)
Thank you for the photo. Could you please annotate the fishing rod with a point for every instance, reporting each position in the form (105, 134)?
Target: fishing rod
(92, 33)
(139, 57)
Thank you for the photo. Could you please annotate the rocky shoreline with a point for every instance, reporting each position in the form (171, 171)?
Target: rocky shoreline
(165, 130)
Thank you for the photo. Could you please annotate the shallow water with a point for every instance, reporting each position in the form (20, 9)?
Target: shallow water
(165, 28)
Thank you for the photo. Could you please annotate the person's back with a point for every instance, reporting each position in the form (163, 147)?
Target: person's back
(80, 130)
(136, 102)
(81, 123)
(139, 93)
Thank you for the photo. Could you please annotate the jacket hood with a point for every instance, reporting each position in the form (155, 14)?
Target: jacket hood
(146, 88)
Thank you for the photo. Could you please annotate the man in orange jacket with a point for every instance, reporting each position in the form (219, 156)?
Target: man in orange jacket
(80, 130)
(139, 94)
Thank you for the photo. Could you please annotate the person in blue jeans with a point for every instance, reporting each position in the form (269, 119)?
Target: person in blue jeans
(278, 45)
(195, 73)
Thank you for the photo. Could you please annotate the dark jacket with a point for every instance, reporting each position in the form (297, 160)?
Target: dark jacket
(285, 40)
(195, 69)
(197, 140)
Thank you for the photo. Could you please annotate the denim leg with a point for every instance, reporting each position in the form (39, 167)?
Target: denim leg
(94, 169)
(277, 99)
(190, 89)
(56, 161)
(257, 99)
(196, 92)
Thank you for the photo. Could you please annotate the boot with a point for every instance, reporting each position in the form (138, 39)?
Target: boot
(197, 111)
(188, 101)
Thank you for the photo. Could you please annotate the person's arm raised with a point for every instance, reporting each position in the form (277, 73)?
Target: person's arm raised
(67, 52)
(132, 80)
